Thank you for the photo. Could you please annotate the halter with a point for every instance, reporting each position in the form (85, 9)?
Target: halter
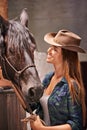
(16, 88)
(18, 92)
(18, 72)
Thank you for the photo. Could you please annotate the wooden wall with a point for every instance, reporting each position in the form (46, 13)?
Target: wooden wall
(11, 111)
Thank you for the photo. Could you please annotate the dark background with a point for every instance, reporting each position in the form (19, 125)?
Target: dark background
(51, 16)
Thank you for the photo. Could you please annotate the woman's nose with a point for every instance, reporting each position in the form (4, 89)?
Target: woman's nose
(49, 49)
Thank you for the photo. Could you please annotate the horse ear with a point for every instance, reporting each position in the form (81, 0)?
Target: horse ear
(24, 17)
(4, 24)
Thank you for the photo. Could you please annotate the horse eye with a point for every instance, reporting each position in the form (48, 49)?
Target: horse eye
(11, 51)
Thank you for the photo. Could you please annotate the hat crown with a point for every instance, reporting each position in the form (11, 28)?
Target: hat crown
(67, 38)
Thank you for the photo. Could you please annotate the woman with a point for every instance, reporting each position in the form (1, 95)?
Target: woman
(62, 106)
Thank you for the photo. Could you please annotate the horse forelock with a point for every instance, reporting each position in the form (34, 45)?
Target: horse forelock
(19, 37)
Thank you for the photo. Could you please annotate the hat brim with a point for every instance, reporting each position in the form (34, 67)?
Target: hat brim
(49, 38)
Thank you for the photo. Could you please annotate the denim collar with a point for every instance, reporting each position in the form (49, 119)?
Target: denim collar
(48, 77)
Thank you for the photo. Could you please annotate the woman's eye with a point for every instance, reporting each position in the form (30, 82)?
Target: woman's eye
(55, 48)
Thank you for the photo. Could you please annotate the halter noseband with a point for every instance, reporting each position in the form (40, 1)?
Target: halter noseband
(19, 72)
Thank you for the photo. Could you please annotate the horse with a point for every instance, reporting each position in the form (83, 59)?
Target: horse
(17, 45)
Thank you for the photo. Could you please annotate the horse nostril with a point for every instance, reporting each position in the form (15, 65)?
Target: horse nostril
(31, 92)
(35, 93)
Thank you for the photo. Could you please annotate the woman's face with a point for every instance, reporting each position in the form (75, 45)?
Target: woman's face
(54, 55)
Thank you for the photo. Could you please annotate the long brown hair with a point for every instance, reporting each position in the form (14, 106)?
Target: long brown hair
(72, 73)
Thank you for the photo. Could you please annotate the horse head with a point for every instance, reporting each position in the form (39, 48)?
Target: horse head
(17, 47)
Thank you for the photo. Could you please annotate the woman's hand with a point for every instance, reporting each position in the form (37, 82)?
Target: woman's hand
(37, 124)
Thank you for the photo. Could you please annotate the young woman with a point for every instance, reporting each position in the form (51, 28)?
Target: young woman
(62, 106)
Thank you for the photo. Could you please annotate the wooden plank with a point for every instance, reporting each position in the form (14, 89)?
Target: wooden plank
(3, 113)
(11, 112)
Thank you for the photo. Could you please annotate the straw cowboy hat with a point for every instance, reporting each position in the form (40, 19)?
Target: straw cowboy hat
(65, 39)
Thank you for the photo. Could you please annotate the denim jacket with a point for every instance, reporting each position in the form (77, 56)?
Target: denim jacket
(62, 110)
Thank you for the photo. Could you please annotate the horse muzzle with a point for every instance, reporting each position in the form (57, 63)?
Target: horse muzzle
(34, 94)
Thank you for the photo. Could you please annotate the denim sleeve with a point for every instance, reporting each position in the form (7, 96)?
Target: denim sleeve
(75, 114)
